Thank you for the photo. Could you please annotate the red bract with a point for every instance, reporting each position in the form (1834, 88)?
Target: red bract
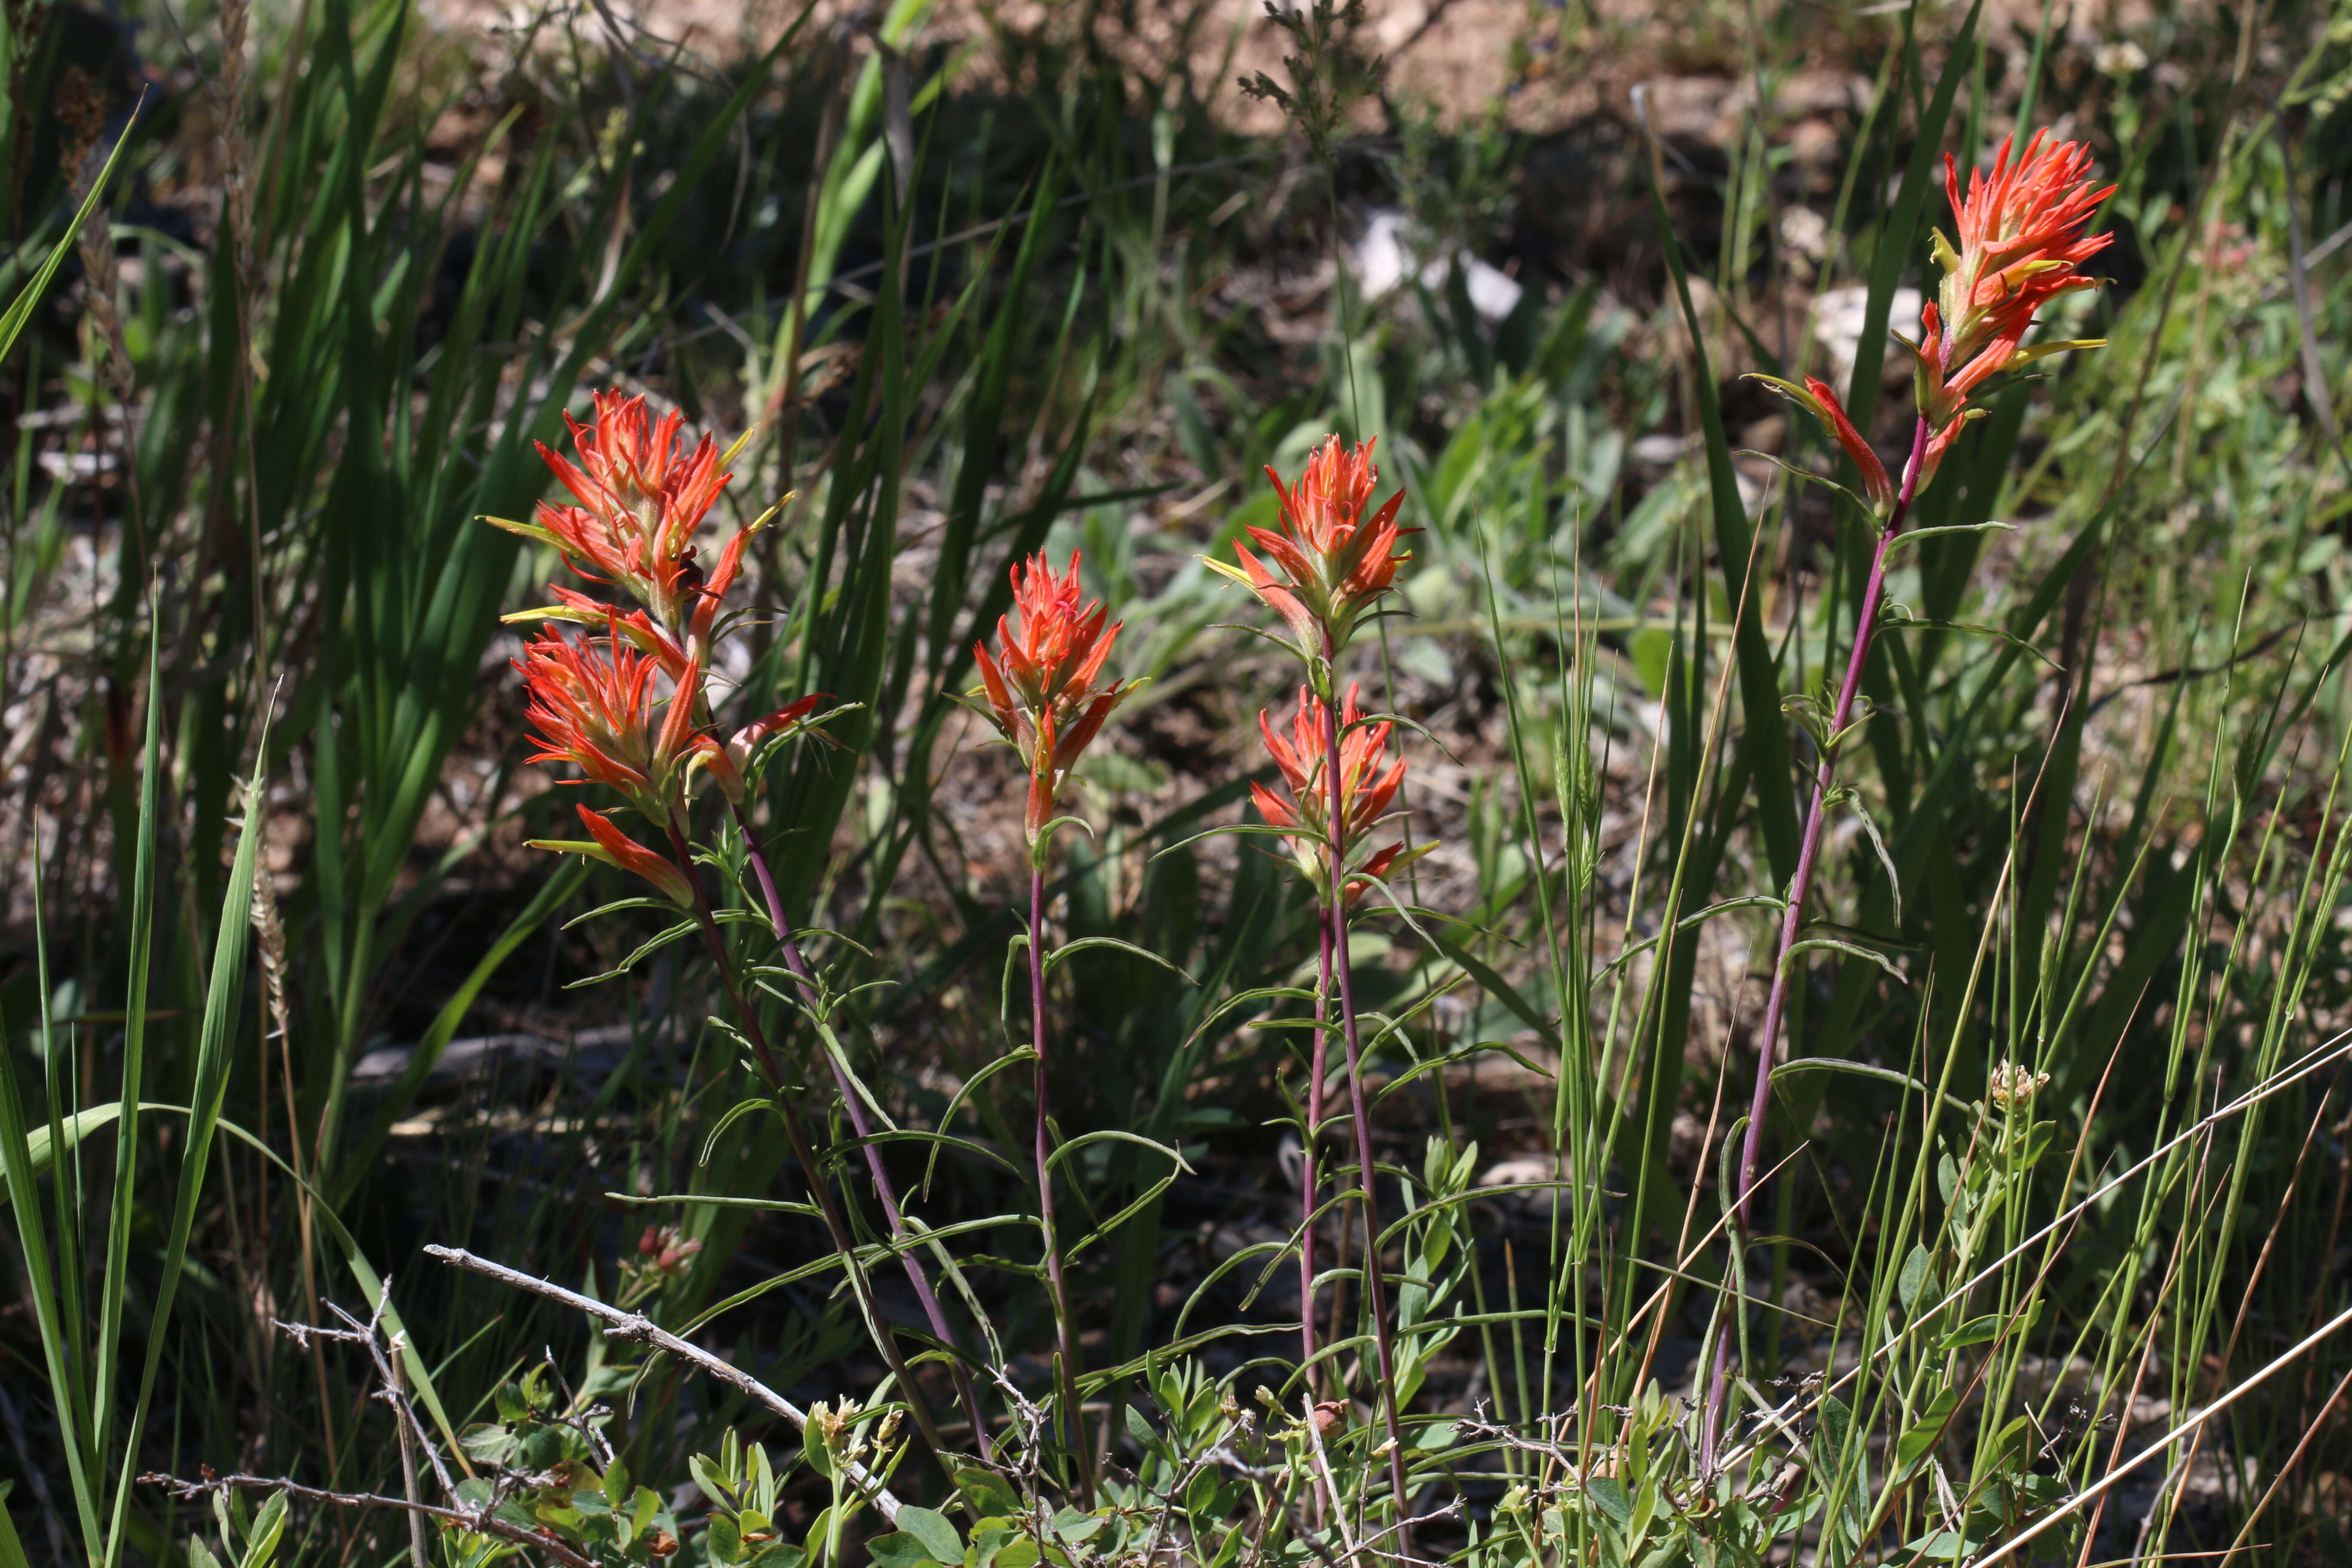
(639, 496)
(2021, 244)
(1335, 561)
(1369, 779)
(1821, 400)
(729, 763)
(618, 849)
(1045, 686)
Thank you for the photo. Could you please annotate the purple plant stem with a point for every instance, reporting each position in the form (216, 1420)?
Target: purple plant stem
(1309, 1182)
(788, 1110)
(1792, 919)
(1066, 1341)
(1308, 1194)
(1336, 929)
(858, 1121)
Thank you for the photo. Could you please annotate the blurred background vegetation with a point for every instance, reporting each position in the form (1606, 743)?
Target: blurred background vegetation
(990, 278)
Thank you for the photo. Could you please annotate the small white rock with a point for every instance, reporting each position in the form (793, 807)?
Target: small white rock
(1838, 321)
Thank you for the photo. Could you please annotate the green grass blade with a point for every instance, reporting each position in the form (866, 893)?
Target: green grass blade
(224, 1006)
(66, 1206)
(12, 1550)
(1759, 688)
(20, 310)
(58, 1350)
(135, 1054)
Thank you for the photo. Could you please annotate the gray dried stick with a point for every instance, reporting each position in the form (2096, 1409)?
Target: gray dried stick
(621, 1325)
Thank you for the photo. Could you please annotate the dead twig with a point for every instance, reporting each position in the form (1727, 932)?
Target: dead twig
(621, 1325)
(479, 1521)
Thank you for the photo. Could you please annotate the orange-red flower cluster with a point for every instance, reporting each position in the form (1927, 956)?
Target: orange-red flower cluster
(2021, 246)
(1045, 686)
(1336, 562)
(1368, 778)
(640, 498)
(593, 704)
(630, 708)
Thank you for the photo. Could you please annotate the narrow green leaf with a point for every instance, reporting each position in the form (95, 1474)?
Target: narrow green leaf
(106, 1384)
(1084, 942)
(224, 1008)
(1926, 1432)
(20, 309)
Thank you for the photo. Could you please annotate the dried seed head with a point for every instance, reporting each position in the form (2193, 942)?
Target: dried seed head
(2013, 1087)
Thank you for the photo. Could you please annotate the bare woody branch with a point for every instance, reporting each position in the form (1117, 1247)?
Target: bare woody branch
(479, 1521)
(621, 1325)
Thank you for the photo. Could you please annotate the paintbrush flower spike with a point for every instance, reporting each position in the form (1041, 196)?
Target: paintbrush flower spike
(1044, 684)
(1368, 780)
(1329, 562)
(592, 704)
(2021, 245)
(638, 495)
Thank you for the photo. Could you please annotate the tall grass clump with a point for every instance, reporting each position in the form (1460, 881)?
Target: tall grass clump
(849, 796)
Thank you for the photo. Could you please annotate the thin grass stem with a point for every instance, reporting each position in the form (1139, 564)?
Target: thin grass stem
(787, 1108)
(1309, 1180)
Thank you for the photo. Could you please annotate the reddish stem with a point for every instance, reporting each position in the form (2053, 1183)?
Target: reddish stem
(1309, 1195)
(1064, 1338)
(788, 1110)
(1308, 1181)
(851, 1102)
(1792, 919)
(1336, 927)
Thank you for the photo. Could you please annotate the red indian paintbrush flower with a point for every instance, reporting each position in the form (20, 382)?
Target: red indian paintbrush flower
(592, 703)
(1336, 562)
(1045, 686)
(2021, 244)
(1368, 778)
(639, 498)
